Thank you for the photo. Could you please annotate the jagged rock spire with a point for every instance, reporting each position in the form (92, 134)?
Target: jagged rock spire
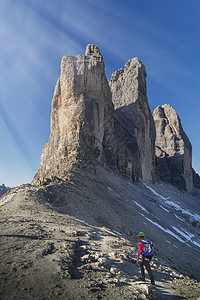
(81, 117)
(85, 129)
(173, 149)
(129, 96)
(94, 122)
(92, 49)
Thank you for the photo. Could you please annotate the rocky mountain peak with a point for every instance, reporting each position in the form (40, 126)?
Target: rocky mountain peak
(92, 49)
(133, 77)
(129, 96)
(87, 131)
(81, 117)
(95, 122)
(173, 148)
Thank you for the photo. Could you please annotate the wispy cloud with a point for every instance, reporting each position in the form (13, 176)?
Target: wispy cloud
(16, 136)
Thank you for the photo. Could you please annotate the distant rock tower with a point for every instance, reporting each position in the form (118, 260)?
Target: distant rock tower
(173, 149)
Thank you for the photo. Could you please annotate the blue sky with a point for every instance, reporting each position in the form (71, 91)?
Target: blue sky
(35, 35)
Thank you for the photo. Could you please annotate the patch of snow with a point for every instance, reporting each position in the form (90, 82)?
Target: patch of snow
(7, 199)
(188, 233)
(195, 216)
(141, 206)
(116, 232)
(185, 234)
(166, 230)
(141, 214)
(175, 205)
(110, 189)
(113, 191)
(156, 218)
(164, 208)
(175, 246)
(196, 243)
(27, 188)
(155, 193)
(179, 218)
(188, 236)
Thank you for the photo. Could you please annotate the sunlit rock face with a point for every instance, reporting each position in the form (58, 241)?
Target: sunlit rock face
(94, 122)
(135, 126)
(173, 149)
(81, 117)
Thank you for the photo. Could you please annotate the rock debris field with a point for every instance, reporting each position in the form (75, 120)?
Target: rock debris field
(78, 240)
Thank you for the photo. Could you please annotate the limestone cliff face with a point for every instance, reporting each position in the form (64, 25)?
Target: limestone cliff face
(135, 127)
(81, 117)
(86, 130)
(173, 149)
(96, 122)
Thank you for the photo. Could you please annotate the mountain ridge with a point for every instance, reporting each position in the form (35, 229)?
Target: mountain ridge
(109, 123)
(80, 235)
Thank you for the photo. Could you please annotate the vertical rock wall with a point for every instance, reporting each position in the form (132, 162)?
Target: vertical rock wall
(135, 126)
(81, 117)
(85, 128)
(96, 122)
(173, 149)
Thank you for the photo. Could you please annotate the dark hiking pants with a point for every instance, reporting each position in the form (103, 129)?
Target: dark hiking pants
(146, 262)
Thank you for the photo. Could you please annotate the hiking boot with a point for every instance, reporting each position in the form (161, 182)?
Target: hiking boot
(142, 278)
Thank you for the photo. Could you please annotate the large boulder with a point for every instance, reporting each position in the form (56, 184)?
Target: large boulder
(173, 149)
(134, 126)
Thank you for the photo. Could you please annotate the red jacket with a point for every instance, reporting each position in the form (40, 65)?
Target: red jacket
(140, 248)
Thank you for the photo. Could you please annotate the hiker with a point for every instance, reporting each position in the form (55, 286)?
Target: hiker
(145, 248)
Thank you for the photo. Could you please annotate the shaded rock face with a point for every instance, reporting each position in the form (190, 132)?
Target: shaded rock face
(134, 126)
(196, 179)
(173, 149)
(86, 130)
